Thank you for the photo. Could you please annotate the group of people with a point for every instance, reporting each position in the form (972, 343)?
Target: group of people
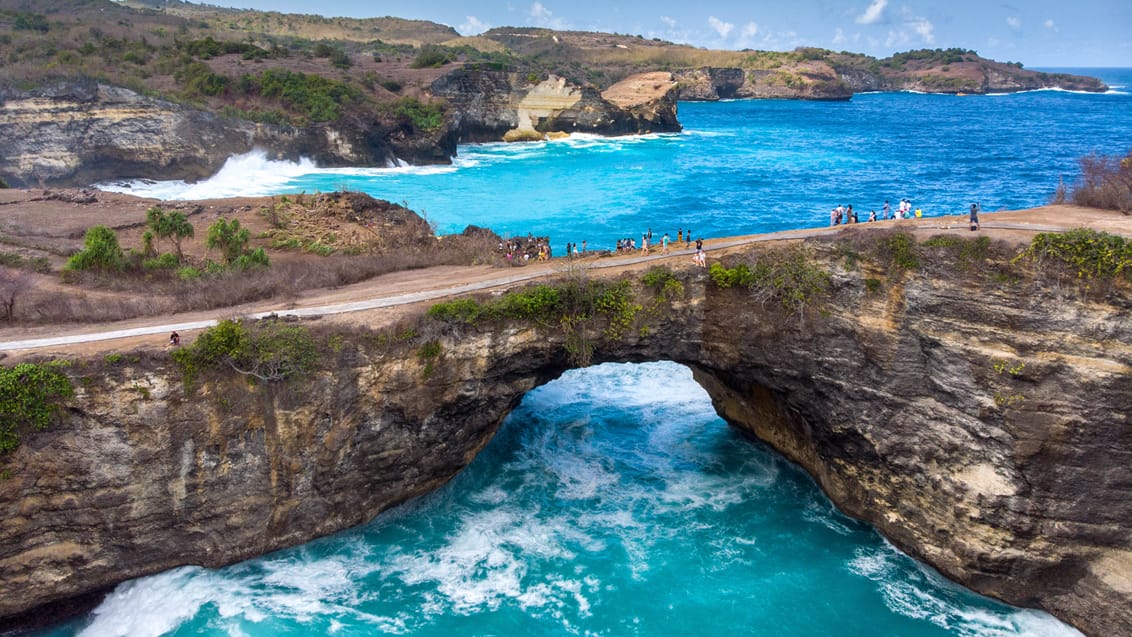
(845, 214)
(518, 251)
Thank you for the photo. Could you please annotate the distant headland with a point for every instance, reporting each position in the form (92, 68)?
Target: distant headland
(170, 90)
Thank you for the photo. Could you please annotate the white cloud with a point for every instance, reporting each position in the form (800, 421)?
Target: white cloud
(473, 26)
(721, 27)
(1013, 22)
(924, 28)
(750, 30)
(671, 23)
(839, 37)
(1051, 25)
(543, 17)
(873, 13)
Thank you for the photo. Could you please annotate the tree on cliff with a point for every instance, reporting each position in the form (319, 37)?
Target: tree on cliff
(172, 226)
(232, 241)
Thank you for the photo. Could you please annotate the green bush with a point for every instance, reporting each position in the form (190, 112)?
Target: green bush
(791, 277)
(30, 395)
(268, 350)
(432, 56)
(426, 117)
(166, 261)
(251, 259)
(1088, 253)
(468, 311)
(100, 252)
(898, 252)
(3, 184)
(31, 22)
(316, 98)
(188, 273)
(969, 253)
(229, 238)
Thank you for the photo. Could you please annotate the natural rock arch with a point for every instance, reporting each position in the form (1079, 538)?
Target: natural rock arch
(895, 402)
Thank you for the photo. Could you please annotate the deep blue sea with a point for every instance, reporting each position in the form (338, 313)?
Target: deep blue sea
(614, 501)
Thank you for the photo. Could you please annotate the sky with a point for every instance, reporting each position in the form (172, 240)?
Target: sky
(1037, 33)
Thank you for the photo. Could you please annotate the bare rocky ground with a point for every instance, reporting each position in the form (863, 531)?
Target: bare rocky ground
(51, 224)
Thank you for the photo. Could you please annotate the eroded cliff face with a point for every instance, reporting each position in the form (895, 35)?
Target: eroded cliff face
(981, 426)
(497, 105)
(807, 81)
(81, 132)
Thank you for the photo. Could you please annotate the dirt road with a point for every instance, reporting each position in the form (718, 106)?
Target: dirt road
(382, 300)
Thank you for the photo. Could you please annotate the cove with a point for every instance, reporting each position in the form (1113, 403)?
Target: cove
(613, 501)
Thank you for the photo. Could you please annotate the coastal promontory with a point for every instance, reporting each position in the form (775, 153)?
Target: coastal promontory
(961, 394)
(124, 90)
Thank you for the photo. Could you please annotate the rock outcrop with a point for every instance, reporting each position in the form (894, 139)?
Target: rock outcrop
(831, 80)
(805, 81)
(982, 425)
(497, 105)
(81, 132)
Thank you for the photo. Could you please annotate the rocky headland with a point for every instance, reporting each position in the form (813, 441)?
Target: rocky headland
(137, 89)
(969, 406)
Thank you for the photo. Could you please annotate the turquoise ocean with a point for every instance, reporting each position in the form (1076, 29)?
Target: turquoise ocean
(614, 501)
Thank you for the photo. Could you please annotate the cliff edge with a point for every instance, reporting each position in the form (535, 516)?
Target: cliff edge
(970, 407)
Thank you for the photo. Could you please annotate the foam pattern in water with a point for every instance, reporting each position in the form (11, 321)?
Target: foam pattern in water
(612, 502)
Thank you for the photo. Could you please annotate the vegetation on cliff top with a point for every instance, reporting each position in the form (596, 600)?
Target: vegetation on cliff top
(580, 307)
(267, 350)
(31, 395)
(1105, 182)
(791, 277)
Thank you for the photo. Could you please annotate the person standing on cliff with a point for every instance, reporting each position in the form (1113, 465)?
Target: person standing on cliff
(974, 217)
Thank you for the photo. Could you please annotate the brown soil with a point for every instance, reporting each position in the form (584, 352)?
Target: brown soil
(34, 224)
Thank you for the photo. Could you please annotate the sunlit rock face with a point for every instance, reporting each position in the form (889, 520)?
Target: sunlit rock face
(981, 427)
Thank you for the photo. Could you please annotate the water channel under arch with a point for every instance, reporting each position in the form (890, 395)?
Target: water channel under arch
(613, 501)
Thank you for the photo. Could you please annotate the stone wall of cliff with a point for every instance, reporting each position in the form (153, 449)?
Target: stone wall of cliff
(497, 105)
(81, 132)
(981, 424)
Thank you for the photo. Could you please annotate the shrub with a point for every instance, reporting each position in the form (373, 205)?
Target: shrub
(316, 98)
(1088, 253)
(229, 238)
(251, 259)
(426, 117)
(968, 253)
(467, 311)
(433, 56)
(269, 350)
(1106, 182)
(100, 252)
(165, 261)
(31, 22)
(896, 251)
(3, 184)
(791, 277)
(30, 395)
(188, 273)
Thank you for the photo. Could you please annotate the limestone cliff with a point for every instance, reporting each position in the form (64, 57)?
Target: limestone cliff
(497, 105)
(806, 81)
(80, 132)
(979, 421)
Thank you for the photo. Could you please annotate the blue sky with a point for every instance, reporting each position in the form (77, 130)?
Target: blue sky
(1038, 33)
